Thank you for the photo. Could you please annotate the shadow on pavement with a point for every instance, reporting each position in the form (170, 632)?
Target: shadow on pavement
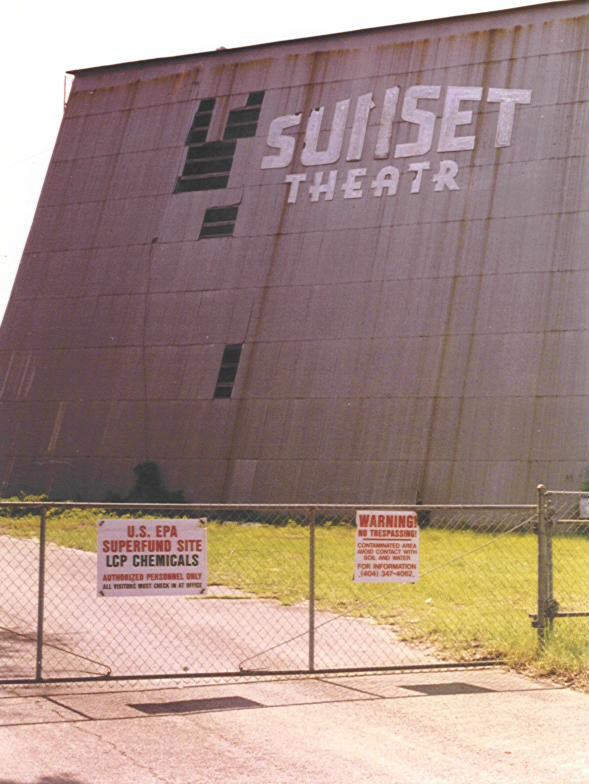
(64, 778)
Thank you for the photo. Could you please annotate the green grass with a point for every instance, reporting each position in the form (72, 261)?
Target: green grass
(472, 600)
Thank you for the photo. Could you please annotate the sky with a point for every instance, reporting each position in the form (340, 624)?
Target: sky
(43, 40)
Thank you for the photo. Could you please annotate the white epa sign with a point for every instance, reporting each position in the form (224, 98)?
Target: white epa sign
(151, 557)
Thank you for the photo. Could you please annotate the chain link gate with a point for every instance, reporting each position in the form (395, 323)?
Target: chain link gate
(281, 597)
(563, 592)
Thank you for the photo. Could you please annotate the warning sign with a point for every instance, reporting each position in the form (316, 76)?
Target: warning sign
(152, 557)
(387, 547)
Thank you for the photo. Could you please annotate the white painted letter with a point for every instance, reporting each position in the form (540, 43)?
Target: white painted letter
(507, 100)
(352, 188)
(318, 188)
(445, 177)
(285, 144)
(358, 134)
(387, 179)
(295, 180)
(383, 141)
(425, 120)
(452, 117)
(418, 168)
(310, 155)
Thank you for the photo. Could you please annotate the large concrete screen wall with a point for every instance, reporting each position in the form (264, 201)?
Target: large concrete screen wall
(339, 269)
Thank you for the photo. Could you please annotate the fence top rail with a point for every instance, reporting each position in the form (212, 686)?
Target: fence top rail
(38, 505)
(567, 492)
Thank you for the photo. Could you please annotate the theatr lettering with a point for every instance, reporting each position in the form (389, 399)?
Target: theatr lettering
(458, 105)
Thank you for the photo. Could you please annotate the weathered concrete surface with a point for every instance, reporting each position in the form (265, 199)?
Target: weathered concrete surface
(338, 730)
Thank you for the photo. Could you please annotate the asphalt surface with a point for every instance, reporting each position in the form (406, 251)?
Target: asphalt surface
(434, 727)
(451, 727)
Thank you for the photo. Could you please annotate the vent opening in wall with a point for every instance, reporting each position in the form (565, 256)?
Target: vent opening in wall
(242, 123)
(228, 370)
(219, 222)
(208, 164)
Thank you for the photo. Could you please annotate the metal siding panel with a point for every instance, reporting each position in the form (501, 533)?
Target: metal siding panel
(304, 433)
(562, 428)
(564, 368)
(117, 320)
(275, 479)
(157, 127)
(273, 434)
(63, 227)
(504, 365)
(89, 179)
(123, 269)
(130, 221)
(170, 318)
(123, 432)
(149, 172)
(249, 427)
(89, 136)
(240, 480)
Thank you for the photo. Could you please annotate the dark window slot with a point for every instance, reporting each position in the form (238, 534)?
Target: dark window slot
(255, 99)
(202, 120)
(207, 167)
(214, 214)
(201, 184)
(212, 150)
(206, 105)
(231, 354)
(227, 375)
(217, 230)
(216, 157)
(219, 221)
(243, 115)
(228, 370)
(240, 131)
(196, 137)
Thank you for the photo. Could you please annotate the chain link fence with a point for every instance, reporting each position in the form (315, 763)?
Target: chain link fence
(281, 596)
(562, 616)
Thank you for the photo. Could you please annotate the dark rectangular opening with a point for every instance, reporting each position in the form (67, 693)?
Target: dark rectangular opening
(219, 222)
(201, 184)
(206, 167)
(202, 120)
(446, 688)
(240, 131)
(217, 230)
(204, 158)
(194, 706)
(214, 214)
(228, 370)
(206, 105)
(212, 150)
(197, 137)
(255, 99)
(243, 116)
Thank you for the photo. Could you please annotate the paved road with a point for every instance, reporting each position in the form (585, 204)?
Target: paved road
(487, 727)
(440, 727)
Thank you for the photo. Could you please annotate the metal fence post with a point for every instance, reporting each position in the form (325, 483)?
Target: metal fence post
(542, 568)
(551, 605)
(41, 595)
(311, 589)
